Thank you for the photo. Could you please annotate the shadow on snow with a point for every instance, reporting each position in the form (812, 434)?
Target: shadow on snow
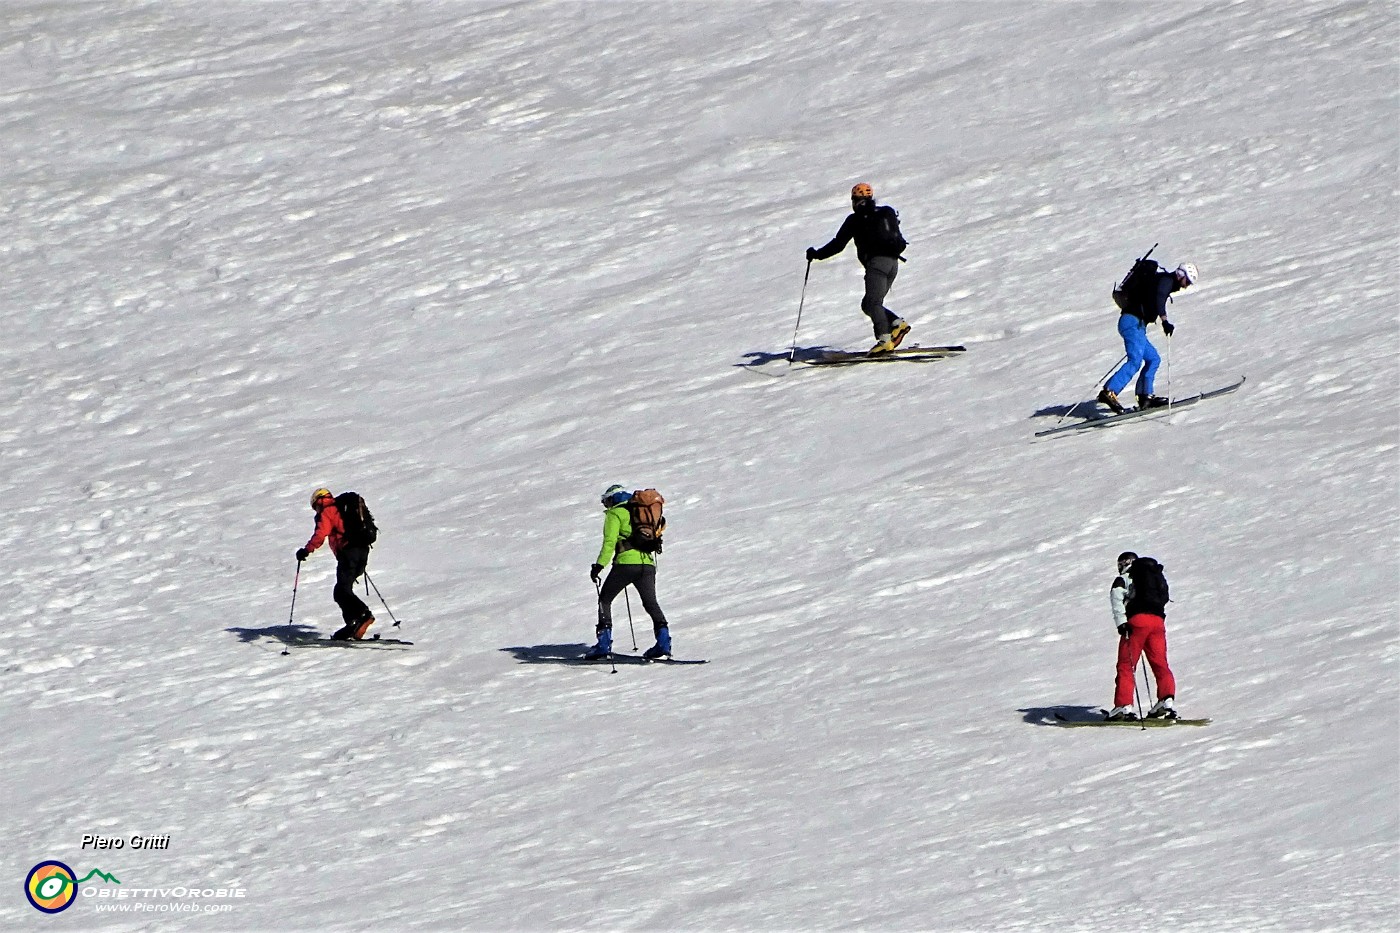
(1088, 410)
(1052, 715)
(762, 358)
(566, 655)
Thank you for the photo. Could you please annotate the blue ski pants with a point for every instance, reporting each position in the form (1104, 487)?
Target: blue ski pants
(1140, 351)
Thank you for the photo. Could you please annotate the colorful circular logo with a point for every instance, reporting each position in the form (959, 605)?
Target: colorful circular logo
(51, 887)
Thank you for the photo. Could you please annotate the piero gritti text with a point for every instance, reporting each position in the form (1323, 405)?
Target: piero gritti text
(137, 841)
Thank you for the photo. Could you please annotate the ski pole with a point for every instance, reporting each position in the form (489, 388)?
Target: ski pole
(629, 619)
(1096, 382)
(599, 587)
(792, 354)
(1137, 698)
(1168, 373)
(370, 582)
(1146, 685)
(295, 580)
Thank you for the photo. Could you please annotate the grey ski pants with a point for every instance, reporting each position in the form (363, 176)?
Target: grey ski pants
(880, 272)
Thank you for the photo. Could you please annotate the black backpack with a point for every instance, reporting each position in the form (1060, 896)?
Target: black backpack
(887, 239)
(1150, 592)
(360, 529)
(1130, 293)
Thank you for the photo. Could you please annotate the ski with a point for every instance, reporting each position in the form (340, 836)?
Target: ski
(910, 354)
(636, 659)
(1100, 421)
(1139, 723)
(373, 641)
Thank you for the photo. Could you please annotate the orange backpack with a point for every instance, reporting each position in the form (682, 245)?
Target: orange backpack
(648, 524)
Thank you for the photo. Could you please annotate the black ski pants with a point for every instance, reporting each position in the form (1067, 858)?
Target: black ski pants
(640, 576)
(350, 565)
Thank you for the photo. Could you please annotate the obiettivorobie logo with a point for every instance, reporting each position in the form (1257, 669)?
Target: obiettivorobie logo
(52, 886)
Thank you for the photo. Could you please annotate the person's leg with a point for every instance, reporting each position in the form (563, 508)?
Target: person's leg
(1155, 647)
(646, 589)
(880, 272)
(350, 565)
(1152, 359)
(616, 581)
(1134, 334)
(1129, 650)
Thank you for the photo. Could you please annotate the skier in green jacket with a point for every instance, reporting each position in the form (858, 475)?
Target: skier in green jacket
(629, 567)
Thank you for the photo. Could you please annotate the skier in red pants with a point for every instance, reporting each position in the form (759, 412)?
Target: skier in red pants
(1139, 597)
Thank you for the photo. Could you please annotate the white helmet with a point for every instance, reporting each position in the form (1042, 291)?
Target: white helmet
(1188, 269)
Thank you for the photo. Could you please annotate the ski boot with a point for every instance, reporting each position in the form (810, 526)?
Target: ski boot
(1110, 398)
(1163, 709)
(1151, 401)
(1121, 714)
(346, 632)
(359, 630)
(898, 330)
(883, 344)
(662, 649)
(603, 650)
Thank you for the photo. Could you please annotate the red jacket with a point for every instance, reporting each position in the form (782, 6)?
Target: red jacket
(330, 525)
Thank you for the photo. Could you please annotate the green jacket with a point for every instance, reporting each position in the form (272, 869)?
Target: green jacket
(617, 528)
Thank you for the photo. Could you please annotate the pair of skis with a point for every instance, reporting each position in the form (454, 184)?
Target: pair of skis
(373, 641)
(1136, 723)
(1103, 421)
(910, 354)
(616, 658)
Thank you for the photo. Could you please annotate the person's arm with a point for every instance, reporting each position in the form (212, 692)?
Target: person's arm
(838, 242)
(612, 528)
(1166, 284)
(323, 528)
(1118, 601)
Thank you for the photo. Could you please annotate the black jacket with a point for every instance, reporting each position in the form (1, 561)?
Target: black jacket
(866, 227)
(1149, 592)
(1152, 298)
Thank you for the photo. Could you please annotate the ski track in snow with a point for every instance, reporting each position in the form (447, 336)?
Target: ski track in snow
(478, 261)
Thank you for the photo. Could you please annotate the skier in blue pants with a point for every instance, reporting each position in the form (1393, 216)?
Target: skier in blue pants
(1143, 298)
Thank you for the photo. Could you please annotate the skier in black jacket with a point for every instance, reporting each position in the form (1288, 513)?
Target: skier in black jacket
(879, 246)
(1143, 299)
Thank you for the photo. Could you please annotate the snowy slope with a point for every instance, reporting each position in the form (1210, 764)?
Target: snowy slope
(479, 261)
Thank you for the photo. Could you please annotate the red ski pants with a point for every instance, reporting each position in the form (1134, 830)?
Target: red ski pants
(1145, 633)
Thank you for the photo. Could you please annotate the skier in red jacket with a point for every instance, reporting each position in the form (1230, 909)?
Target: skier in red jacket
(350, 564)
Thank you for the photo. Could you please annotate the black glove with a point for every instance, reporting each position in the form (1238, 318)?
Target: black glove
(1123, 630)
(595, 572)
(1167, 327)
(302, 554)
(811, 253)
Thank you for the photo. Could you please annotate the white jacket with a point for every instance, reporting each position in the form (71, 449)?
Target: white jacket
(1118, 596)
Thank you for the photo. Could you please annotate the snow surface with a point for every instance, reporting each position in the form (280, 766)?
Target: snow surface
(480, 260)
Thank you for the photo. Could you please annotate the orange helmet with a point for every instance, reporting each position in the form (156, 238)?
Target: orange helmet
(862, 190)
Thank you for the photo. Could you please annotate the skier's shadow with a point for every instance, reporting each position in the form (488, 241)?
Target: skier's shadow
(296, 634)
(762, 358)
(1088, 410)
(549, 654)
(1052, 715)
